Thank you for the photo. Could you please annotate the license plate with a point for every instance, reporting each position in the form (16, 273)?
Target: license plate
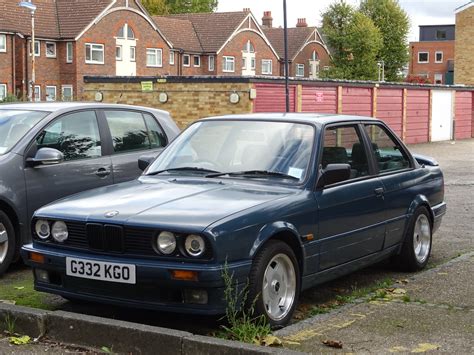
(99, 270)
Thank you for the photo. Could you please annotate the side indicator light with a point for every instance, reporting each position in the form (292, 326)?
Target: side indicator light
(184, 275)
(37, 258)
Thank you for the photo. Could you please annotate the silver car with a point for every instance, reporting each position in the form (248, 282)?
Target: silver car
(52, 150)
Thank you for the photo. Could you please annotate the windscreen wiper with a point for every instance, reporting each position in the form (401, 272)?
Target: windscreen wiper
(183, 168)
(254, 173)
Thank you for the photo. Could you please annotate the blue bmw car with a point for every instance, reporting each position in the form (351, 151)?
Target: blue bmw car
(283, 201)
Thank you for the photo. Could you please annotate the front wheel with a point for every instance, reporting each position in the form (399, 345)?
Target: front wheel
(274, 283)
(7, 242)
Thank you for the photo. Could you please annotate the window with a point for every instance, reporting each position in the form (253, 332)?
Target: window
(75, 135)
(3, 91)
(130, 34)
(212, 63)
(186, 60)
(343, 145)
(314, 56)
(197, 61)
(51, 49)
(50, 93)
(69, 51)
(438, 78)
(133, 53)
(244, 63)
(249, 48)
(94, 53)
(440, 34)
(154, 57)
(37, 93)
(299, 69)
(118, 53)
(37, 49)
(155, 133)
(126, 29)
(423, 57)
(252, 63)
(438, 57)
(66, 93)
(228, 65)
(172, 58)
(267, 66)
(3, 43)
(389, 155)
(128, 130)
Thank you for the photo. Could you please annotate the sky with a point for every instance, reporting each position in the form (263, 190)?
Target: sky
(421, 12)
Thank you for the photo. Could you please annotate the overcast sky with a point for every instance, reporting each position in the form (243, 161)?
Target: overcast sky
(421, 12)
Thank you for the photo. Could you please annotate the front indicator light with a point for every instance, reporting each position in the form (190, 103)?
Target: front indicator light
(42, 229)
(184, 275)
(59, 231)
(37, 258)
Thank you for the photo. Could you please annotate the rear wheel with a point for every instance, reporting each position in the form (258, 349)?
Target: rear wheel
(7, 242)
(274, 283)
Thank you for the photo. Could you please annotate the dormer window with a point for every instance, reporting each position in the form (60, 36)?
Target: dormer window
(126, 30)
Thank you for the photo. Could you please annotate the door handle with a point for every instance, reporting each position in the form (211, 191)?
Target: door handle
(379, 192)
(102, 172)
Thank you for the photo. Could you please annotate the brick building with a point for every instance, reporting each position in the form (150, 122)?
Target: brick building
(433, 56)
(464, 47)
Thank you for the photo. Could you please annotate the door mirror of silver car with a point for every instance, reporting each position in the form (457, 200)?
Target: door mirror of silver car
(144, 161)
(334, 173)
(46, 156)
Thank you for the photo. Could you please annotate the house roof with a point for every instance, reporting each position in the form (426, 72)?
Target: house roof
(180, 32)
(211, 29)
(297, 37)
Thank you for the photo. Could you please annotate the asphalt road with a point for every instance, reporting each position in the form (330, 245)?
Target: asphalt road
(454, 239)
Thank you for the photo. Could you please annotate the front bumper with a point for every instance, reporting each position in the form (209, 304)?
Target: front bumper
(154, 288)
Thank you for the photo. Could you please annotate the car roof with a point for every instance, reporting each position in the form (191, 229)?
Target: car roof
(59, 106)
(312, 118)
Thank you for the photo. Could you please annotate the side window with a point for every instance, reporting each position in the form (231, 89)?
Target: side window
(128, 130)
(388, 153)
(76, 135)
(343, 145)
(155, 133)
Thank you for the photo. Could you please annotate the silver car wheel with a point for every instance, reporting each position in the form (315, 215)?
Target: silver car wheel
(279, 287)
(3, 243)
(422, 238)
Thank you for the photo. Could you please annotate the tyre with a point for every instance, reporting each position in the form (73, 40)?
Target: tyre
(274, 283)
(7, 242)
(416, 247)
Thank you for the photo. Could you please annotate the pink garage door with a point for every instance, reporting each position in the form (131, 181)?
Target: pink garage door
(390, 108)
(463, 114)
(271, 98)
(319, 99)
(418, 110)
(357, 101)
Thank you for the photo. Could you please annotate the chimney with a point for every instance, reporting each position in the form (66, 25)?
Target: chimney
(301, 23)
(267, 19)
(246, 9)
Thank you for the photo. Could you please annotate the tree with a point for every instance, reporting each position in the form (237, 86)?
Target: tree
(394, 25)
(354, 41)
(164, 7)
(156, 7)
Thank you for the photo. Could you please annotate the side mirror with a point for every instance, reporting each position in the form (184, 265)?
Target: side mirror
(46, 156)
(144, 161)
(334, 173)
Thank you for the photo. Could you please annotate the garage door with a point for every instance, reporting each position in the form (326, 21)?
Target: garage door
(441, 115)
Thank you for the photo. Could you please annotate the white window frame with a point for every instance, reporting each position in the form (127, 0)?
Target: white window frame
(133, 50)
(440, 75)
(5, 90)
(91, 48)
(3, 43)
(194, 61)
(67, 87)
(428, 57)
(120, 56)
(37, 95)
(189, 60)
(298, 67)
(264, 63)
(55, 92)
(37, 54)
(69, 52)
(253, 63)
(172, 57)
(46, 47)
(212, 63)
(228, 60)
(158, 52)
(442, 57)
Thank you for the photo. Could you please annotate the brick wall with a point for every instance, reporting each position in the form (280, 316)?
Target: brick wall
(464, 65)
(431, 68)
(304, 57)
(6, 66)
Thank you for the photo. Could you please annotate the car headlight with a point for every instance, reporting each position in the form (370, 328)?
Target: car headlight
(166, 243)
(194, 245)
(59, 231)
(42, 229)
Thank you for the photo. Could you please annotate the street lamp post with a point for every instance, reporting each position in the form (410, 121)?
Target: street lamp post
(30, 6)
(287, 74)
(381, 65)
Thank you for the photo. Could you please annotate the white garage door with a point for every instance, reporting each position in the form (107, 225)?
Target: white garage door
(441, 115)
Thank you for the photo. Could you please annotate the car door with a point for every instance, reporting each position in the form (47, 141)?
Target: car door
(133, 134)
(350, 213)
(78, 137)
(398, 176)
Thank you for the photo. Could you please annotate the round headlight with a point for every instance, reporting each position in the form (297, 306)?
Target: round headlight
(42, 229)
(194, 245)
(166, 243)
(59, 231)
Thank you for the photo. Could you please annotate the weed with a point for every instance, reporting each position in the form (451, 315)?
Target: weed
(9, 324)
(406, 298)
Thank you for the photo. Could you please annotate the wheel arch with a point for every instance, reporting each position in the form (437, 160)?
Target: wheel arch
(11, 213)
(421, 201)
